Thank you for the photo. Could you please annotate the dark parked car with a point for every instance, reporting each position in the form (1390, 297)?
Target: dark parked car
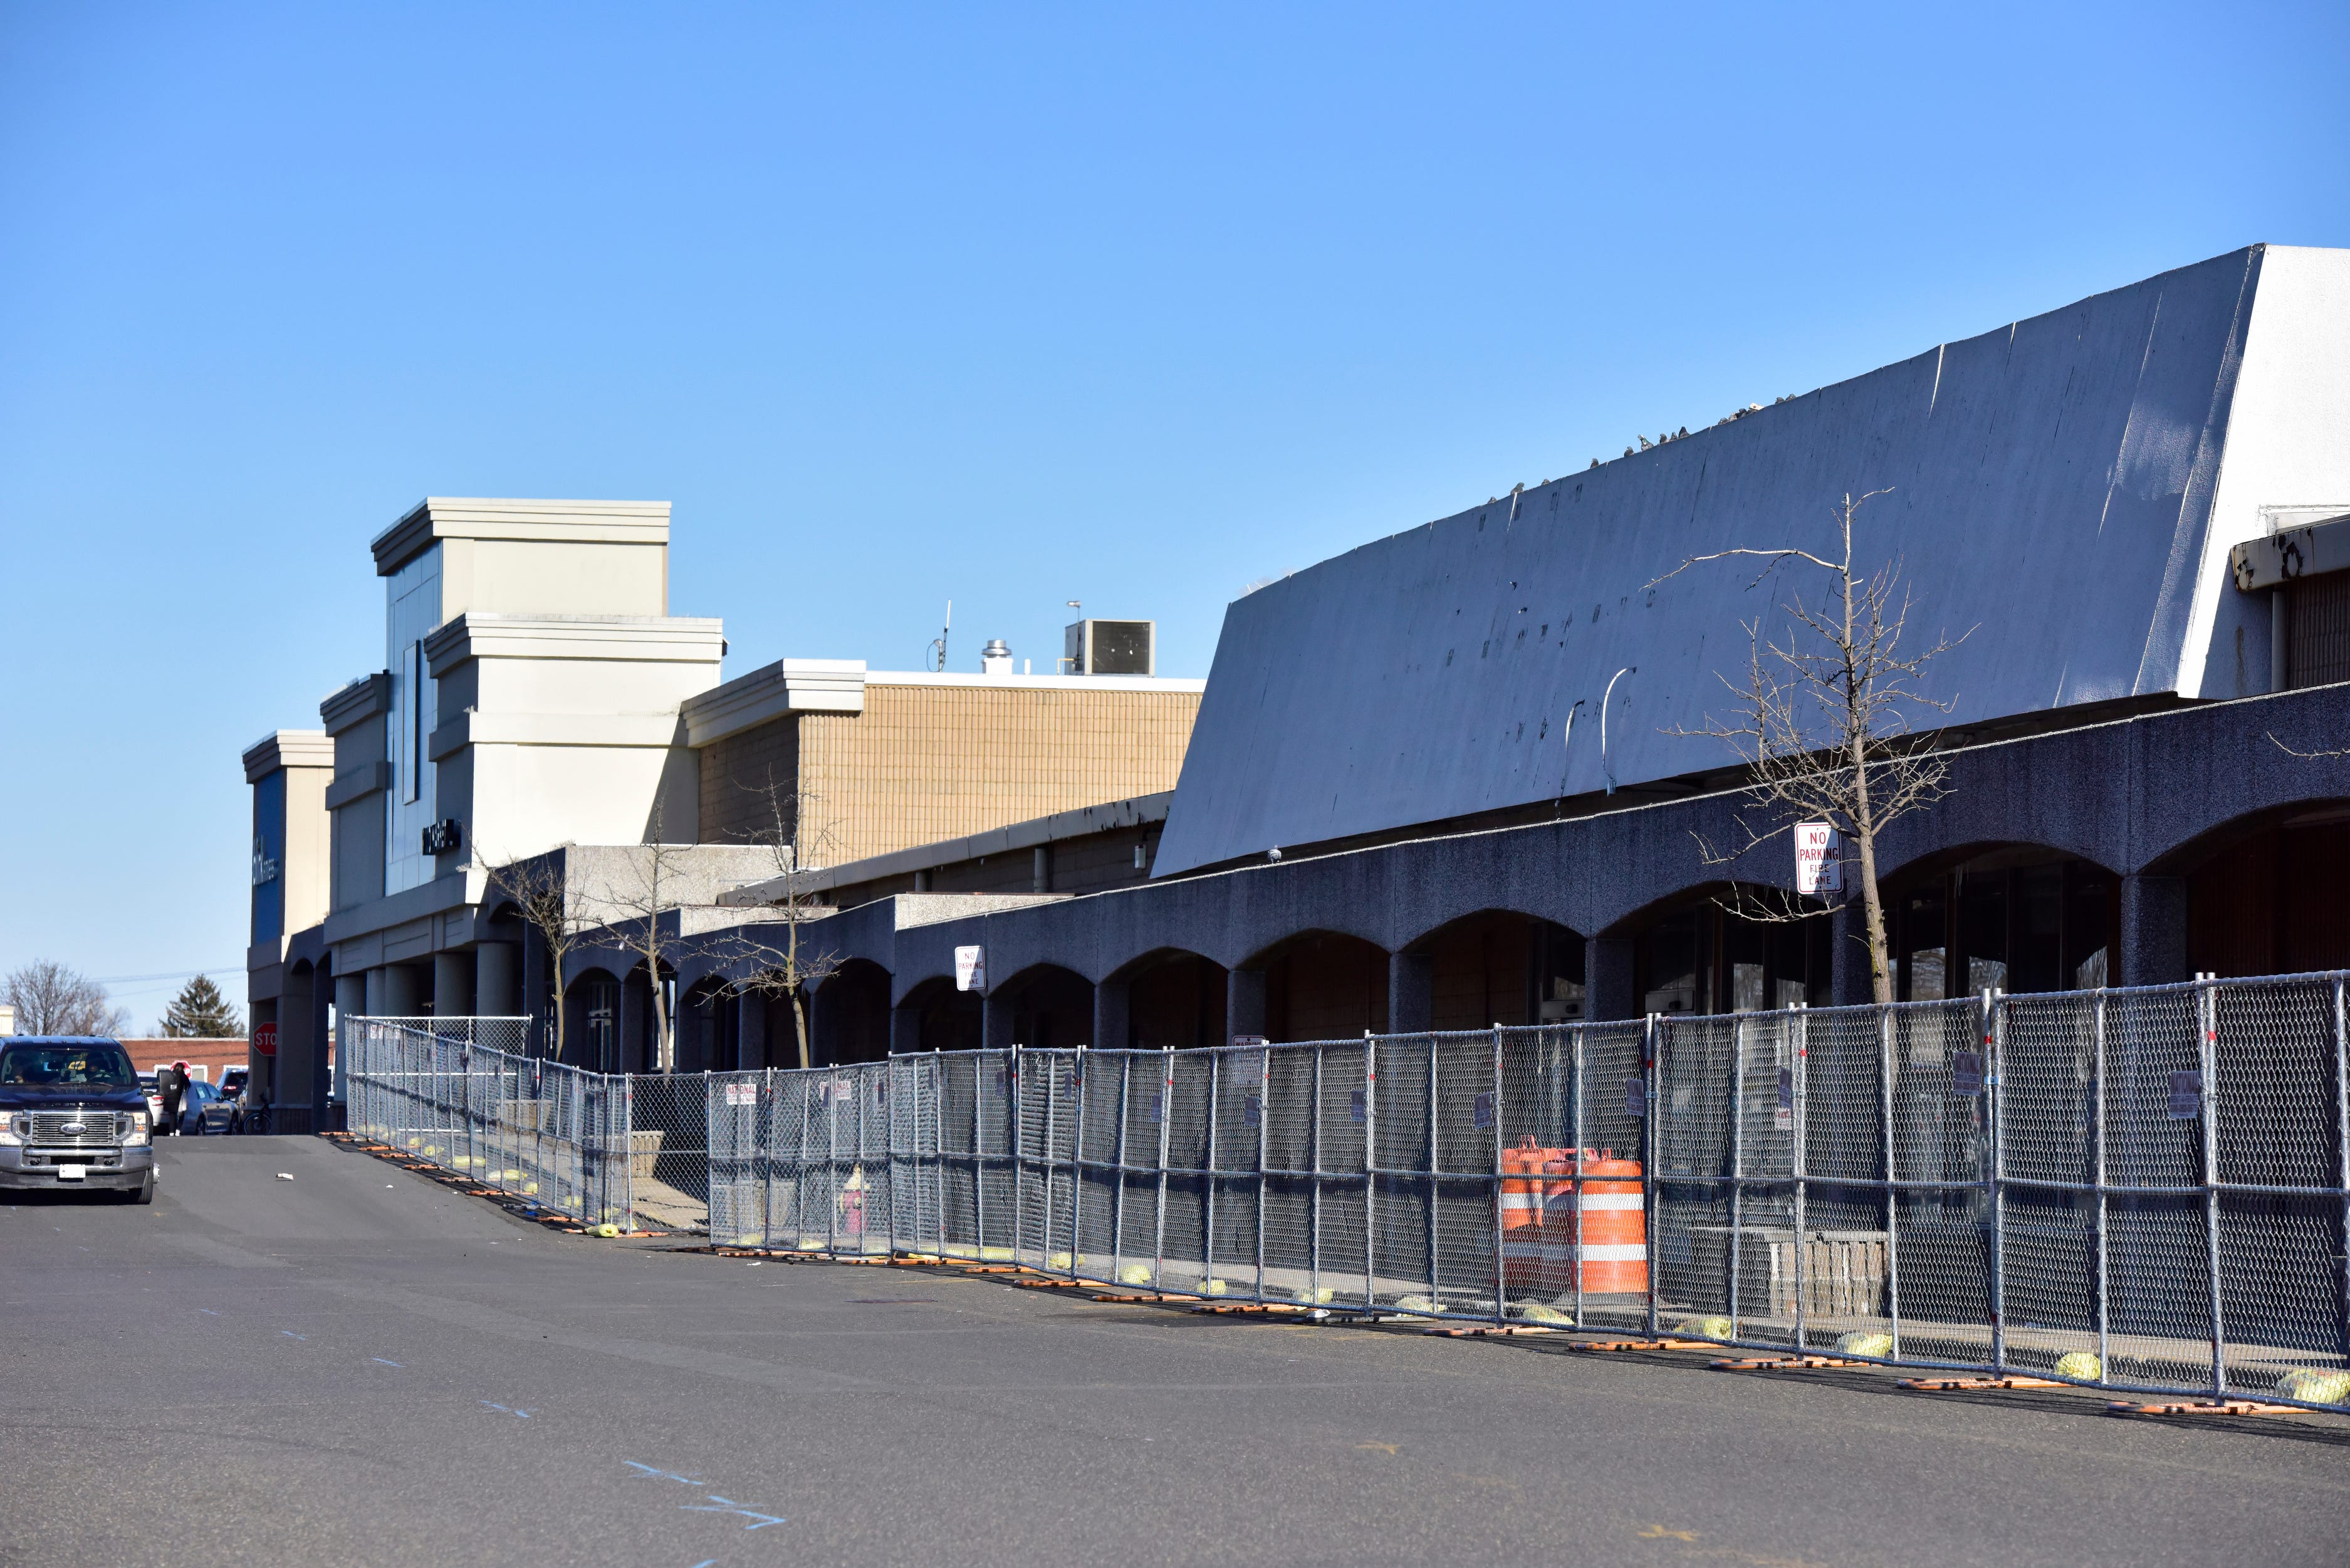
(202, 1110)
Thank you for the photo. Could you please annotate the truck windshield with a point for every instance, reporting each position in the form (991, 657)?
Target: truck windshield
(67, 1066)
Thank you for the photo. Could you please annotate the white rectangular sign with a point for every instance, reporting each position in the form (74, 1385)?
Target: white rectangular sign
(971, 969)
(1819, 859)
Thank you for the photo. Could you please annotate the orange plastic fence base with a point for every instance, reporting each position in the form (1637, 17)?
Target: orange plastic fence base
(2204, 1408)
(1969, 1385)
(1614, 1344)
(1782, 1364)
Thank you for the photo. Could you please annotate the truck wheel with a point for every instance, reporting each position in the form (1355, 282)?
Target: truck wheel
(142, 1193)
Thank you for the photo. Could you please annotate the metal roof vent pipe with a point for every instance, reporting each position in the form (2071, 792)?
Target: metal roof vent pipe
(995, 659)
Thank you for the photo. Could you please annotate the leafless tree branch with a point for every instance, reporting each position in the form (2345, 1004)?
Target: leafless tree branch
(1824, 718)
(538, 888)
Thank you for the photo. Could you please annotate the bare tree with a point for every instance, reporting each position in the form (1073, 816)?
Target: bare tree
(769, 963)
(638, 905)
(1825, 721)
(538, 887)
(51, 999)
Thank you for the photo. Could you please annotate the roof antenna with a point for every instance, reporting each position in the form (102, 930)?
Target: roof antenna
(935, 656)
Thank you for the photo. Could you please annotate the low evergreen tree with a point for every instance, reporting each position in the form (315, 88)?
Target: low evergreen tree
(202, 1012)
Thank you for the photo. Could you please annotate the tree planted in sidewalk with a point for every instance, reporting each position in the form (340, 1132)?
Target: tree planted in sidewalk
(768, 959)
(538, 885)
(1827, 718)
(644, 906)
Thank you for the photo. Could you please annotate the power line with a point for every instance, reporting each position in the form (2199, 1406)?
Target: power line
(167, 974)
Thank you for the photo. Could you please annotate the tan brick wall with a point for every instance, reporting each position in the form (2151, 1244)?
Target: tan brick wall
(923, 764)
(734, 772)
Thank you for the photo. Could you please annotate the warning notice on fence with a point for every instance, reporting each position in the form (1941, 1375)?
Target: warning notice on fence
(2186, 1096)
(1966, 1072)
(1635, 1099)
(742, 1094)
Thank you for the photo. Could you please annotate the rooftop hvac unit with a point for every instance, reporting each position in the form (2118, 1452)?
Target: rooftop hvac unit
(1112, 647)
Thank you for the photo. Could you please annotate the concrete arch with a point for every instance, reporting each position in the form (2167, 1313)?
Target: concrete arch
(2193, 853)
(1492, 966)
(1045, 1005)
(1321, 985)
(2015, 915)
(1694, 950)
(591, 1020)
(849, 1014)
(1927, 862)
(2263, 890)
(932, 1015)
(706, 1024)
(1168, 999)
(1417, 936)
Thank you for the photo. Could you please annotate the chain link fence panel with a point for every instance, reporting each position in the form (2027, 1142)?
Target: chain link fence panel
(2143, 1189)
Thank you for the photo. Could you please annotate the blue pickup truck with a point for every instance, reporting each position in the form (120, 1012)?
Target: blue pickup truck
(72, 1117)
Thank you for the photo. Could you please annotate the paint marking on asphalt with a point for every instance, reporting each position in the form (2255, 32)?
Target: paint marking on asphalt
(291, 1335)
(524, 1414)
(380, 1361)
(663, 1475)
(208, 1311)
(725, 1505)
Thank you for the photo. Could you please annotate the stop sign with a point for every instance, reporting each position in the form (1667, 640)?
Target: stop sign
(264, 1039)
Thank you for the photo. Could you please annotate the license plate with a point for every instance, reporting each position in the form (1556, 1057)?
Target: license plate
(72, 1172)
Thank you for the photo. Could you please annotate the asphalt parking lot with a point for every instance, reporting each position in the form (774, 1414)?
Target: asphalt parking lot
(359, 1366)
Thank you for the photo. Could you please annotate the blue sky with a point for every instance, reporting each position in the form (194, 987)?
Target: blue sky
(1006, 304)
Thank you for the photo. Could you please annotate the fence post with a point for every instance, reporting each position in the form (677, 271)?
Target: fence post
(978, 1153)
(1574, 1153)
(1797, 1097)
(1994, 1033)
(1019, 1152)
(1886, 1072)
(2341, 1143)
(2206, 1011)
(1737, 1165)
(800, 1167)
(2097, 1173)
(1314, 1190)
(1208, 1208)
(1263, 1123)
(1117, 1197)
(1651, 1038)
(1501, 1268)
(1370, 1168)
(1166, 1119)
(1076, 1158)
(1428, 1164)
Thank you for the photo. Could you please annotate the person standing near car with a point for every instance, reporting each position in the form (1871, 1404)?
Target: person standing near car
(171, 1083)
